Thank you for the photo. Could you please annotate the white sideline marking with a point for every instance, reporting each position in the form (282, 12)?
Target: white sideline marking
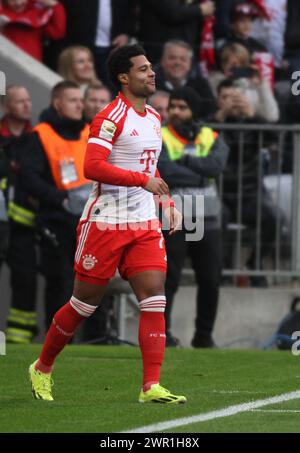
(226, 412)
(275, 410)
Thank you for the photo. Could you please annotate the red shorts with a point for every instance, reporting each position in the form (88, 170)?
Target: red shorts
(131, 249)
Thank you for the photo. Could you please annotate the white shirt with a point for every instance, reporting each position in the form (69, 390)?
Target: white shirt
(103, 37)
(134, 141)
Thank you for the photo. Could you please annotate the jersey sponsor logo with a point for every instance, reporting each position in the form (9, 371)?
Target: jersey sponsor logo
(89, 262)
(107, 130)
(148, 158)
(134, 133)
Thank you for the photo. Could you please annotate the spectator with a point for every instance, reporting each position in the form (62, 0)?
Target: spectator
(270, 31)
(241, 21)
(96, 97)
(15, 128)
(164, 20)
(76, 64)
(236, 64)
(160, 101)
(235, 108)
(27, 22)
(100, 26)
(52, 172)
(175, 71)
(193, 155)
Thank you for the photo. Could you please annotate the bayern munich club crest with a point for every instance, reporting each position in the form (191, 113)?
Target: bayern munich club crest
(89, 262)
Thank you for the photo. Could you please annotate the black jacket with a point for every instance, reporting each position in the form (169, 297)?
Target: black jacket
(199, 84)
(12, 154)
(36, 176)
(83, 16)
(162, 20)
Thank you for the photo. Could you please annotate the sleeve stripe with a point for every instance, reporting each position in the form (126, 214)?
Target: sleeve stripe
(118, 112)
(99, 141)
(121, 115)
(115, 109)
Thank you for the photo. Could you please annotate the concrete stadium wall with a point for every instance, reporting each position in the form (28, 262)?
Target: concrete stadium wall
(19, 68)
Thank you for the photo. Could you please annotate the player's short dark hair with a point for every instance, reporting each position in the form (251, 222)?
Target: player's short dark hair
(226, 83)
(60, 87)
(119, 61)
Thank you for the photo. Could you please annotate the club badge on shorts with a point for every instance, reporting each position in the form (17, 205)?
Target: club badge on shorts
(89, 262)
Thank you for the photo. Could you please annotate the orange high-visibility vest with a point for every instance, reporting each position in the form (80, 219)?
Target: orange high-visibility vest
(59, 150)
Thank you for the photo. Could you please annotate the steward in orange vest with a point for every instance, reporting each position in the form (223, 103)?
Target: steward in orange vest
(53, 173)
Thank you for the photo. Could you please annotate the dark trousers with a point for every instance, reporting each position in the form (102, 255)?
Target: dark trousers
(249, 218)
(22, 261)
(57, 259)
(206, 258)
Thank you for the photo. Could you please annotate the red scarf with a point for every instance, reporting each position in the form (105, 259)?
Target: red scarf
(263, 9)
(207, 57)
(35, 15)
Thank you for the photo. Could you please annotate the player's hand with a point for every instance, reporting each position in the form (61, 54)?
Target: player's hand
(175, 219)
(157, 186)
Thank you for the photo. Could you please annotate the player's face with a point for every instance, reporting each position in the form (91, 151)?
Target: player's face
(19, 104)
(141, 77)
(69, 104)
(179, 112)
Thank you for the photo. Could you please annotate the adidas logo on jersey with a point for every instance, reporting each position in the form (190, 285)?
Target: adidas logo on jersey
(134, 133)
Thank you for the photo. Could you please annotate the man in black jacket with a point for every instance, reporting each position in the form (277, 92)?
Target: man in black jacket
(15, 128)
(175, 71)
(192, 157)
(52, 173)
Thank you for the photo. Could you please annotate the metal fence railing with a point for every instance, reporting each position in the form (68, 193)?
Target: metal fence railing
(261, 200)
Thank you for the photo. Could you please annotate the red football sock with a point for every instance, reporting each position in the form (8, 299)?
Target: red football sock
(62, 329)
(152, 338)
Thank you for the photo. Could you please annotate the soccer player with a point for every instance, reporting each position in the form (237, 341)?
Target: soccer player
(118, 228)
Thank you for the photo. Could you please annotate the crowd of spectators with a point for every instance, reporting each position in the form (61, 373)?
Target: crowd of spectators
(189, 42)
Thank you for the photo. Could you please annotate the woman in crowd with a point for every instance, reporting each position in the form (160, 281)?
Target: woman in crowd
(76, 63)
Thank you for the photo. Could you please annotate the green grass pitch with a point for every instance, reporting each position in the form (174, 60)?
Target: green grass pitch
(96, 390)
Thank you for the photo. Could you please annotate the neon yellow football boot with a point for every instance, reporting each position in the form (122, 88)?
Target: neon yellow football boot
(158, 394)
(41, 384)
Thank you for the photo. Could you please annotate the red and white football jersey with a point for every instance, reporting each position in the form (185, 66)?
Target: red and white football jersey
(125, 140)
